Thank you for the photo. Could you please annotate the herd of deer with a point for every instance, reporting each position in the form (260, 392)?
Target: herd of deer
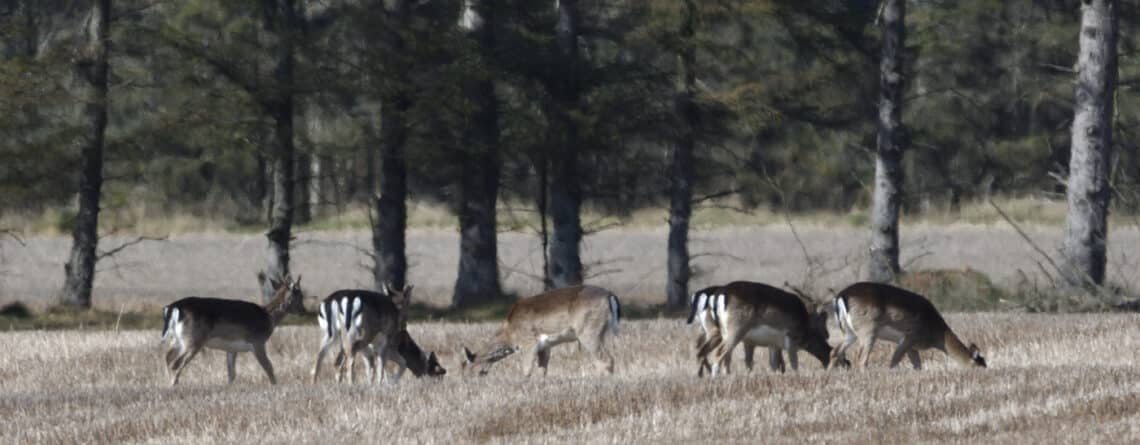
(375, 323)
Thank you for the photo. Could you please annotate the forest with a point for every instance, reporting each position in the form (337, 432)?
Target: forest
(269, 115)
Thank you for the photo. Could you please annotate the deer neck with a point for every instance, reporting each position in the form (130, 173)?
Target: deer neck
(278, 307)
(954, 347)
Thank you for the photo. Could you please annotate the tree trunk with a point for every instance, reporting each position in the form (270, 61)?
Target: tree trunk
(92, 70)
(282, 21)
(1086, 224)
(681, 179)
(478, 278)
(884, 264)
(565, 188)
(304, 208)
(391, 262)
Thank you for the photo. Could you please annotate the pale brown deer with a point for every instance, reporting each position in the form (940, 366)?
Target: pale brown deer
(867, 312)
(233, 326)
(582, 314)
(758, 315)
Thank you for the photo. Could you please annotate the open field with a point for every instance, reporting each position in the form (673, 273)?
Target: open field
(1053, 379)
(631, 262)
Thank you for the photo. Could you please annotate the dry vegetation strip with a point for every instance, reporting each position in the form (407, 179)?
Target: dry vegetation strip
(1053, 379)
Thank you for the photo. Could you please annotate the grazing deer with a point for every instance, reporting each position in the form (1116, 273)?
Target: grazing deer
(759, 314)
(409, 356)
(365, 322)
(710, 338)
(583, 314)
(230, 325)
(871, 311)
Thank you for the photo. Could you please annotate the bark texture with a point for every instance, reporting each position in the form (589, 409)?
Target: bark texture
(1086, 224)
(388, 230)
(681, 177)
(478, 278)
(92, 69)
(565, 265)
(282, 21)
(884, 264)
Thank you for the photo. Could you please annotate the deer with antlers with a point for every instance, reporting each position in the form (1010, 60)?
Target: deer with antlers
(234, 326)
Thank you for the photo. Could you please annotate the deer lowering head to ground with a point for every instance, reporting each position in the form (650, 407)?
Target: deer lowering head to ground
(365, 322)
(870, 311)
(757, 315)
(582, 314)
(233, 326)
(710, 338)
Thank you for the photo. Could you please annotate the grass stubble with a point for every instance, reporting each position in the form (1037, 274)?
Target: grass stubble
(1053, 379)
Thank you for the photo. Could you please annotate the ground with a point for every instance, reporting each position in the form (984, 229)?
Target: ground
(1052, 379)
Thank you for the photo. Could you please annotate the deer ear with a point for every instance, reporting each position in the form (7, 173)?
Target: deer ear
(297, 282)
(468, 356)
(261, 278)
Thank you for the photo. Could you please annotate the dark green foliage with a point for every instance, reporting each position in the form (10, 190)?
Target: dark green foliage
(787, 100)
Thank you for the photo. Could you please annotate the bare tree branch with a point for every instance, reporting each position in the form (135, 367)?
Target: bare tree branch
(124, 246)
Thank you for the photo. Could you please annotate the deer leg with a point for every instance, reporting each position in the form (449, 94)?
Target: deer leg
(865, 353)
(840, 352)
(723, 354)
(183, 360)
(231, 367)
(542, 356)
(749, 352)
(775, 359)
(341, 358)
(915, 360)
(325, 345)
(263, 360)
(901, 350)
(705, 348)
(596, 346)
(793, 353)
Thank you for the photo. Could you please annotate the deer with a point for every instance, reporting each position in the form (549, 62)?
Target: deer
(366, 322)
(709, 337)
(234, 326)
(758, 315)
(868, 311)
(582, 314)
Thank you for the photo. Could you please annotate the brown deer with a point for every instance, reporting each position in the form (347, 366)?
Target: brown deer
(870, 311)
(582, 314)
(365, 322)
(230, 325)
(760, 315)
(710, 338)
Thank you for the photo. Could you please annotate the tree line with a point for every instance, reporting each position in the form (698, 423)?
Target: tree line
(272, 112)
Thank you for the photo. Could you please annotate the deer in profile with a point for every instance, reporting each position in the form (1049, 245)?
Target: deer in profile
(373, 324)
(867, 312)
(234, 326)
(758, 315)
(582, 314)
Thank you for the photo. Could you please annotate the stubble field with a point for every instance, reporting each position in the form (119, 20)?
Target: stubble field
(1052, 379)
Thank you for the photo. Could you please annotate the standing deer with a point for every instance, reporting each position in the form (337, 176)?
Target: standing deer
(759, 315)
(365, 322)
(582, 314)
(230, 325)
(870, 311)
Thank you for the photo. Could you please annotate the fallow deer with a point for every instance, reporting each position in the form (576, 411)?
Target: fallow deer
(230, 325)
(710, 338)
(365, 322)
(582, 314)
(759, 314)
(870, 311)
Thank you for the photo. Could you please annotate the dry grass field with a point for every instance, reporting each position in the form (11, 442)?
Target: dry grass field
(1052, 379)
(631, 262)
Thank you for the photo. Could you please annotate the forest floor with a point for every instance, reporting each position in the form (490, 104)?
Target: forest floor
(1052, 379)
